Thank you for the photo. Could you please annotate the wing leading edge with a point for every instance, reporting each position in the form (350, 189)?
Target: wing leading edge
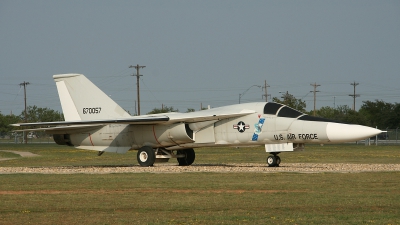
(132, 120)
(168, 118)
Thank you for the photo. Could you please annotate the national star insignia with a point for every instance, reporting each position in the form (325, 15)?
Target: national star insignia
(241, 126)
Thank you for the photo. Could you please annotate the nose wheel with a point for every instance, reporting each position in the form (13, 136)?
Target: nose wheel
(273, 160)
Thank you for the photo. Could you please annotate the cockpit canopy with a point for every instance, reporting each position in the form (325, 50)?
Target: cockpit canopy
(280, 110)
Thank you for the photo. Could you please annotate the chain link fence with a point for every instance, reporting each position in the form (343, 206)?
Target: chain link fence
(17, 138)
(389, 137)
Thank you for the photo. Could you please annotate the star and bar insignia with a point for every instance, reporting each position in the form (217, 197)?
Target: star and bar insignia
(241, 126)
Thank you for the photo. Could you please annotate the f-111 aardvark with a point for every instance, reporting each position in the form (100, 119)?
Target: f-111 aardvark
(93, 121)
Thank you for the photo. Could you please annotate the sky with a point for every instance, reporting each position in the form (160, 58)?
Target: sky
(200, 53)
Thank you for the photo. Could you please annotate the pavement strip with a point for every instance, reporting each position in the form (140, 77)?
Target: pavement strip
(22, 154)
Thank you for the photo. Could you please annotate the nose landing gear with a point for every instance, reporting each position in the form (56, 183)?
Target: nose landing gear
(274, 160)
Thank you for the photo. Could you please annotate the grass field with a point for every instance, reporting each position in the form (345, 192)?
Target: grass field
(201, 198)
(56, 155)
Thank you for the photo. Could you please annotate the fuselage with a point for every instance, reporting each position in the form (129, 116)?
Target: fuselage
(269, 123)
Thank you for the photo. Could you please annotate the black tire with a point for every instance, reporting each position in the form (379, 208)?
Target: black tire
(271, 161)
(189, 157)
(146, 156)
(278, 160)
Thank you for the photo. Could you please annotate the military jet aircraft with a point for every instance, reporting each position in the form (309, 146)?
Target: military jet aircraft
(93, 121)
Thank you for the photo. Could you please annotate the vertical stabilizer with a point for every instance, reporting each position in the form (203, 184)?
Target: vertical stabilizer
(82, 100)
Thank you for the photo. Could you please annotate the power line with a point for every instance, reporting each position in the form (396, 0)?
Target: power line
(354, 95)
(315, 85)
(266, 93)
(26, 119)
(137, 67)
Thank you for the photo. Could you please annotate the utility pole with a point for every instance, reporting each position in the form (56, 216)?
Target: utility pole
(315, 85)
(354, 95)
(334, 102)
(137, 67)
(135, 108)
(26, 118)
(266, 93)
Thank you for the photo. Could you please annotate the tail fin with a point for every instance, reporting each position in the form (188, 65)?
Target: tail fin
(82, 100)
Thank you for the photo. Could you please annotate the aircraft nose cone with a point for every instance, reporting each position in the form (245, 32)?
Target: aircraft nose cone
(338, 132)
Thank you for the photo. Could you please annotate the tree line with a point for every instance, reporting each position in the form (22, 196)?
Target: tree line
(33, 114)
(372, 113)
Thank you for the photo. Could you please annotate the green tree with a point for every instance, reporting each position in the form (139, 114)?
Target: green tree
(381, 114)
(394, 118)
(291, 101)
(164, 109)
(326, 112)
(354, 117)
(37, 114)
(342, 114)
(5, 121)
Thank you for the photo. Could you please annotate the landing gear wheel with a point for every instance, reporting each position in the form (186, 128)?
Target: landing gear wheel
(278, 161)
(271, 161)
(188, 159)
(146, 156)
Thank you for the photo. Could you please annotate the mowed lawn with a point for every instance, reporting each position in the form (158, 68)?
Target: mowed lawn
(57, 155)
(201, 198)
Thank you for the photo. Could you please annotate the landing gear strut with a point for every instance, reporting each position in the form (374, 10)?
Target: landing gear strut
(274, 160)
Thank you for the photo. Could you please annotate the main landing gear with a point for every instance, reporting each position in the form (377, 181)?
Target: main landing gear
(147, 156)
(186, 157)
(274, 160)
